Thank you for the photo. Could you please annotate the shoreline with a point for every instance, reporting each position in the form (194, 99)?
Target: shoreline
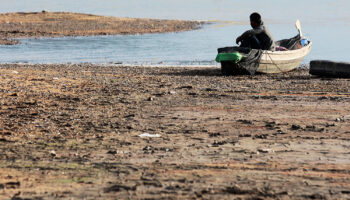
(83, 130)
(59, 24)
(302, 66)
(109, 64)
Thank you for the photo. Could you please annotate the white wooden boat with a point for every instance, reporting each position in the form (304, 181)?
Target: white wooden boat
(282, 61)
(270, 61)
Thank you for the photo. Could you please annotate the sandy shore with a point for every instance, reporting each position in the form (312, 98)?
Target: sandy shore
(73, 131)
(55, 24)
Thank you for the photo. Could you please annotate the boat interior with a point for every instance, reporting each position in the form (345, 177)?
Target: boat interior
(291, 44)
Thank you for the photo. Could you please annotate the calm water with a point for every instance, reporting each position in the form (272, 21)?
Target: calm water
(325, 22)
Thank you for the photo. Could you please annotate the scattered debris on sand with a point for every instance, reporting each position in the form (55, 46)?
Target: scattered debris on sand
(73, 131)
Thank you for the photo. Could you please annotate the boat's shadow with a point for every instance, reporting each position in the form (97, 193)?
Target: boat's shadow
(193, 72)
(199, 72)
(211, 72)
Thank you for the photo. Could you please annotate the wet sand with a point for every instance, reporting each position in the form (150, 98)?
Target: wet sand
(58, 24)
(72, 131)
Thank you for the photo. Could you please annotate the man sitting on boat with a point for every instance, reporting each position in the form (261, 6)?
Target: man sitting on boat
(257, 38)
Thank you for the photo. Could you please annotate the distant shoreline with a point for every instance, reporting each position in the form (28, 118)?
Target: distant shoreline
(59, 24)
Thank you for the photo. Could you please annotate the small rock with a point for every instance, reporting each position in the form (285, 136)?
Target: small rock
(295, 127)
(313, 128)
(129, 116)
(210, 89)
(172, 92)
(328, 125)
(279, 132)
(13, 95)
(270, 125)
(185, 87)
(333, 98)
(218, 143)
(245, 121)
(322, 98)
(261, 136)
(53, 153)
(244, 135)
(160, 94)
(339, 119)
(112, 152)
(12, 185)
(266, 150)
(214, 134)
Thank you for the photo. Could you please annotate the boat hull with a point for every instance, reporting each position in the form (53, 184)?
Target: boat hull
(270, 62)
(282, 61)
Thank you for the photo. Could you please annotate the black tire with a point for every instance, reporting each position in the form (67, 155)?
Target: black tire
(330, 69)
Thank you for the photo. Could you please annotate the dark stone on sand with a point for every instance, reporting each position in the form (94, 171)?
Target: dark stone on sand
(245, 121)
(295, 127)
(236, 190)
(118, 188)
(185, 87)
(12, 185)
(314, 129)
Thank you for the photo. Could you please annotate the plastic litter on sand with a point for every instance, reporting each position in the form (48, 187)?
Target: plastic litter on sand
(143, 135)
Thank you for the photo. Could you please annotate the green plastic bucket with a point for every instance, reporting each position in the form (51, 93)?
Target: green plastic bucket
(233, 57)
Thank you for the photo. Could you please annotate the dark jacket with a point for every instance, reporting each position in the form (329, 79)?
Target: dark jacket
(263, 35)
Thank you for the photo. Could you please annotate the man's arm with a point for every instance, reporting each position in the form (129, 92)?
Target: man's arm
(249, 33)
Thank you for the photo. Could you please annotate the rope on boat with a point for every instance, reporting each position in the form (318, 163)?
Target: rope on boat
(273, 63)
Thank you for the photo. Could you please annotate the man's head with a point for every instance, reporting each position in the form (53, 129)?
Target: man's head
(255, 19)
